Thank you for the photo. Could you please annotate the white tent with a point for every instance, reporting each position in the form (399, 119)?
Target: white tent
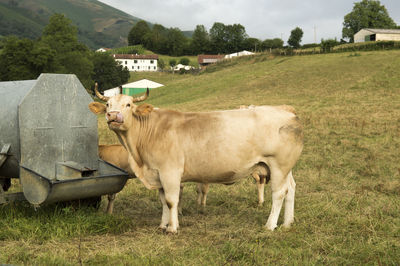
(112, 92)
(139, 86)
(143, 84)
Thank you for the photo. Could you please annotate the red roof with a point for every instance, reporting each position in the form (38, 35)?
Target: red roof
(135, 56)
(209, 58)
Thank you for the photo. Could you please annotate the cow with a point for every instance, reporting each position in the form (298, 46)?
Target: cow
(168, 147)
(117, 155)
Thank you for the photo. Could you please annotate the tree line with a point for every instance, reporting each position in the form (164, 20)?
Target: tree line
(58, 51)
(221, 39)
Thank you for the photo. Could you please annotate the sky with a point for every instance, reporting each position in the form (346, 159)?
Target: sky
(262, 19)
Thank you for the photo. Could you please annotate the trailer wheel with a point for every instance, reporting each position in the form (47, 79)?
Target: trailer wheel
(5, 183)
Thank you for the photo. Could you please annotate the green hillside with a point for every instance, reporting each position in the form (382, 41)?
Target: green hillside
(99, 24)
(347, 204)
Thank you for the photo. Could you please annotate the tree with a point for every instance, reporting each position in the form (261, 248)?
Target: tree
(108, 72)
(57, 51)
(156, 39)
(176, 42)
(272, 43)
(252, 44)
(295, 37)
(70, 56)
(218, 38)
(138, 32)
(366, 14)
(200, 40)
(15, 60)
(235, 35)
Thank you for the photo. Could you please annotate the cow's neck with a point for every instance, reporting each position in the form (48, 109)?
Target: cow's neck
(134, 138)
(129, 140)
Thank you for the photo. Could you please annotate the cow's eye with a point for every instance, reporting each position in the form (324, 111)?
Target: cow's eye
(107, 104)
(128, 105)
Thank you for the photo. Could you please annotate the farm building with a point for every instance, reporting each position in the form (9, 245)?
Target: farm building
(366, 35)
(242, 53)
(112, 92)
(136, 62)
(102, 50)
(209, 59)
(139, 86)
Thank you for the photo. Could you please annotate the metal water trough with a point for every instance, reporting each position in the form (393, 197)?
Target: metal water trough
(49, 140)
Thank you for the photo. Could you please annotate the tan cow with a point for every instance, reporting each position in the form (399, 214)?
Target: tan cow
(169, 147)
(117, 155)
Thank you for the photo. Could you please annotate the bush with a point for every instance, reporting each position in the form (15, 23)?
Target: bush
(184, 61)
(172, 62)
(327, 45)
(367, 46)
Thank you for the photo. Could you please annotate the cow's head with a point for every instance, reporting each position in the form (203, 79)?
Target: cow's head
(121, 110)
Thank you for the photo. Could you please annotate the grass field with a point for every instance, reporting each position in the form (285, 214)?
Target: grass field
(348, 177)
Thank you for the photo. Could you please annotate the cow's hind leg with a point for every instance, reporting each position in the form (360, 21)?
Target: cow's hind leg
(202, 190)
(289, 201)
(279, 187)
(260, 187)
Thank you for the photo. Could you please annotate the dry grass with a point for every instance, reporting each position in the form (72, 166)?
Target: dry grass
(348, 178)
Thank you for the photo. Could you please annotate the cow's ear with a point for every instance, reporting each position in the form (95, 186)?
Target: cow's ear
(97, 108)
(144, 109)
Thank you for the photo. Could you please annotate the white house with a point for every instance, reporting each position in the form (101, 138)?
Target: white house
(102, 50)
(366, 35)
(242, 53)
(136, 62)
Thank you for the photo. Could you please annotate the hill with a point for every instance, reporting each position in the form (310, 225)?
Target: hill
(99, 25)
(347, 204)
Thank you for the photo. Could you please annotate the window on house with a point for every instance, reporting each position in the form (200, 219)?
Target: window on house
(149, 67)
(135, 61)
(154, 68)
(133, 67)
(151, 61)
(138, 67)
(126, 62)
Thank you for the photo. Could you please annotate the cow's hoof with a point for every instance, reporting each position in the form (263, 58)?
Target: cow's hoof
(287, 225)
(270, 227)
(171, 230)
(162, 227)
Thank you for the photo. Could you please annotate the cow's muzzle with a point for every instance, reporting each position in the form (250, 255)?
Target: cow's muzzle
(114, 116)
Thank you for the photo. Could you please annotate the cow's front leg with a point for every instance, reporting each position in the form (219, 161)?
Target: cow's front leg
(110, 206)
(171, 187)
(165, 210)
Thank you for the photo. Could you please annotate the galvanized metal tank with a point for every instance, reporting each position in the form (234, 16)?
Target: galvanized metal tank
(49, 140)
